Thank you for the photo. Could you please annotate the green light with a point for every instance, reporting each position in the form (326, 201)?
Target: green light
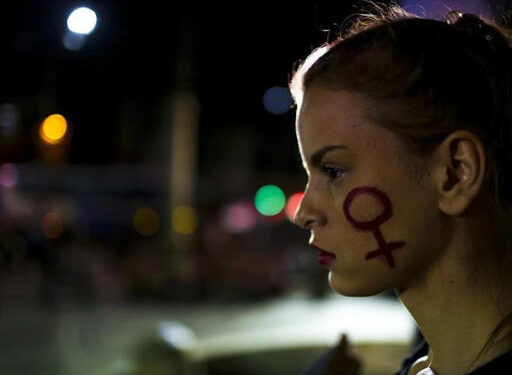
(269, 200)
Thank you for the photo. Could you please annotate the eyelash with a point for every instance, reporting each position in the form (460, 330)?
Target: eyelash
(332, 172)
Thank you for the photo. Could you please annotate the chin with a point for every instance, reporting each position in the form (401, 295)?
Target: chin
(355, 287)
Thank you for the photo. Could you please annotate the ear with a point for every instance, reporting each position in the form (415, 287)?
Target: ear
(459, 171)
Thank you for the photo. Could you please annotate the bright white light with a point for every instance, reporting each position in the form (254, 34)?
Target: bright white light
(82, 21)
(177, 335)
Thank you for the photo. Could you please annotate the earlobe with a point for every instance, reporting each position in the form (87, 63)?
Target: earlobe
(460, 171)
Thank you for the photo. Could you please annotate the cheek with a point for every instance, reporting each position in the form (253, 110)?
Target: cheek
(373, 210)
(367, 207)
(363, 208)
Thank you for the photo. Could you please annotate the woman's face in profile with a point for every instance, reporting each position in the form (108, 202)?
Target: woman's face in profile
(368, 200)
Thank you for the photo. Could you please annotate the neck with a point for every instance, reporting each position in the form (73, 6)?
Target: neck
(455, 313)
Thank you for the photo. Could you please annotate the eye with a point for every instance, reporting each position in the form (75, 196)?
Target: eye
(332, 172)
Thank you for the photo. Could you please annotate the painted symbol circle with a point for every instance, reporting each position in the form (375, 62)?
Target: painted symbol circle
(376, 222)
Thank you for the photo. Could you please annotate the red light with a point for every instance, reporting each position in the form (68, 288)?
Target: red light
(293, 204)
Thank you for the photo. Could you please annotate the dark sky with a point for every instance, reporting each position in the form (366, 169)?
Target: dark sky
(228, 54)
(113, 89)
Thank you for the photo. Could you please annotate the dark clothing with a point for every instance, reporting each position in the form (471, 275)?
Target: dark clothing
(501, 365)
(420, 350)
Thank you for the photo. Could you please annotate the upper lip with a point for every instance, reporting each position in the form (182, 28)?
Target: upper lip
(319, 248)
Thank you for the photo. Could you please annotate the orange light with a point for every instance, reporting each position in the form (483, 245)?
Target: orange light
(293, 204)
(53, 129)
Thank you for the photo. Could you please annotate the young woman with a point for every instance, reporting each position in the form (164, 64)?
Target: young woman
(404, 128)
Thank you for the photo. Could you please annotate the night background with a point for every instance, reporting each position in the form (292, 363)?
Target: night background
(143, 210)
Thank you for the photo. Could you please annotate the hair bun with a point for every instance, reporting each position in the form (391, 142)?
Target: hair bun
(453, 16)
(479, 29)
(468, 22)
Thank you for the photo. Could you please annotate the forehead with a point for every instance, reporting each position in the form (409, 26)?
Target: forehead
(329, 116)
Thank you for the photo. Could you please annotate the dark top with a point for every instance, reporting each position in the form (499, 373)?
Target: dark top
(501, 365)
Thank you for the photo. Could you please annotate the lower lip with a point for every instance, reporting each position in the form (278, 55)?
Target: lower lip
(324, 258)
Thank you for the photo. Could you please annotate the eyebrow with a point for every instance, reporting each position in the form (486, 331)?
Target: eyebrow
(319, 154)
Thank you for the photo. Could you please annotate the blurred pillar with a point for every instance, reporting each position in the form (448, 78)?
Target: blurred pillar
(183, 160)
(184, 108)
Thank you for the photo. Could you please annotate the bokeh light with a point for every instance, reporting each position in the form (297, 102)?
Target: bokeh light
(53, 129)
(8, 175)
(184, 220)
(277, 100)
(52, 225)
(82, 21)
(239, 217)
(146, 221)
(269, 200)
(177, 335)
(293, 204)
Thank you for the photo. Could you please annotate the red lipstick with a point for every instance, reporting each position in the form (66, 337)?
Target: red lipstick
(324, 258)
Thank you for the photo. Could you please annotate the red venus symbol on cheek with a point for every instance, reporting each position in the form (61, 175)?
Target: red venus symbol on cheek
(385, 248)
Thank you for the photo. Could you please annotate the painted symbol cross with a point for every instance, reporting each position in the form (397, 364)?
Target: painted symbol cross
(385, 248)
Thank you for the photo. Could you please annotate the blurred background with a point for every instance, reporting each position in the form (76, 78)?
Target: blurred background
(148, 176)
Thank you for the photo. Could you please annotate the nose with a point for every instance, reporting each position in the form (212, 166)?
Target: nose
(308, 214)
